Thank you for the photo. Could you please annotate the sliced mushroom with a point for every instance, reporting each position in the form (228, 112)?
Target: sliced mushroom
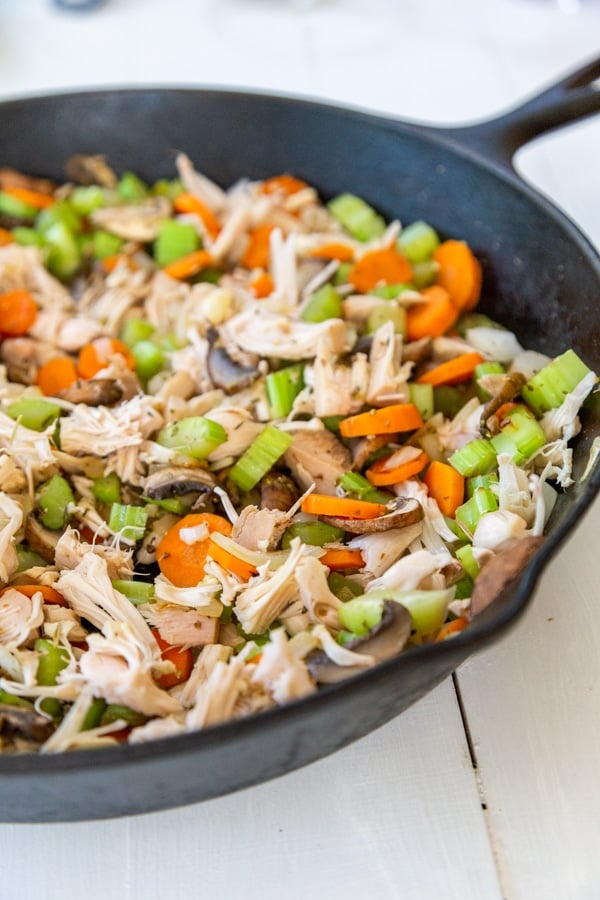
(40, 539)
(501, 571)
(226, 373)
(503, 388)
(139, 222)
(174, 481)
(277, 491)
(96, 392)
(21, 728)
(10, 178)
(405, 511)
(417, 351)
(387, 639)
(85, 169)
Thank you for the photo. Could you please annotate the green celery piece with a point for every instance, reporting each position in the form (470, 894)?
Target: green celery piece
(422, 397)
(387, 312)
(521, 438)
(344, 588)
(354, 483)
(549, 387)
(165, 188)
(448, 400)
(424, 273)
(134, 330)
(324, 304)
(130, 521)
(149, 359)
(485, 481)
(486, 368)
(115, 711)
(361, 614)
(468, 514)
(345, 637)
(28, 558)
(59, 213)
(428, 609)
(53, 498)
(34, 412)
(283, 387)
(136, 591)
(478, 457)
(64, 256)
(131, 187)
(14, 700)
(195, 436)
(52, 660)
(463, 588)
(107, 489)
(105, 244)
(390, 291)
(261, 455)
(27, 237)
(314, 533)
(467, 560)
(175, 239)
(418, 241)
(342, 273)
(12, 206)
(332, 423)
(357, 217)
(94, 714)
(86, 198)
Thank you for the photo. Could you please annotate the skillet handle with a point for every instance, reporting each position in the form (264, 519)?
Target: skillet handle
(573, 97)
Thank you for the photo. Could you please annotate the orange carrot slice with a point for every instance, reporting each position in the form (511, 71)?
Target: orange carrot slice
(188, 265)
(49, 594)
(258, 251)
(18, 312)
(386, 266)
(339, 251)
(183, 661)
(56, 375)
(183, 563)
(344, 507)
(446, 486)
(459, 273)
(384, 471)
(342, 559)
(461, 368)
(110, 263)
(283, 184)
(454, 627)
(6, 237)
(388, 420)
(433, 317)
(262, 286)
(95, 356)
(231, 563)
(189, 203)
(31, 198)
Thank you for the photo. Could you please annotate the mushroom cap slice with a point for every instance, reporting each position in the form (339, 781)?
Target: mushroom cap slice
(174, 481)
(501, 571)
(226, 373)
(95, 392)
(23, 727)
(386, 639)
(40, 539)
(406, 511)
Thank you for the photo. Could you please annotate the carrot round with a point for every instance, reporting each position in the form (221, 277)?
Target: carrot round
(56, 375)
(375, 267)
(433, 317)
(231, 563)
(454, 627)
(18, 312)
(283, 184)
(388, 420)
(182, 563)
(339, 251)
(342, 559)
(6, 237)
(188, 265)
(258, 251)
(31, 198)
(49, 594)
(262, 286)
(384, 472)
(461, 368)
(459, 273)
(189, 203)
(110, 263)
(445, 485)
(95, 356)
(344, 507)
(183, 661)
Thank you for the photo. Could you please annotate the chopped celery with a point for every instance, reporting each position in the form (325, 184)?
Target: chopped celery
(354, 483)
(448, 400)
(94, 713)
(115, 711)
(85, 199)
(131, 187)
(282, 389)
(34, 413)
(149, 359)
(14, 700)
(521, 438)
(107, 489)
(549, 387)
(428, 609)
(485, 481)
(261, 455)
(475, 320)
(467, 560)
(418, 241)
(390, 291)
(424, 273)
(478, 457)
(134, 330)
(28, 558)
(105, 244)
(53, 498)
(463, 588)
(314, 533)
(361, 614)
(345, 637)
(195, 436)
(342, 273)
(51, 661)
(486, 368)
(64, 256)
(165, 188)
(387, 312)
(210, 275)
(59, 213)
(469, 514)
(344, 588)
(128, 521)
(422, 397)
(27, 237)
(172, 504)
(357, 217)
(332, 423)
(324, 304)
(175, 239)
(136, 591)
(12, 206)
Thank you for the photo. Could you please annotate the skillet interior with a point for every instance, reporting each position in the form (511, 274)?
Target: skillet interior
(541, 278)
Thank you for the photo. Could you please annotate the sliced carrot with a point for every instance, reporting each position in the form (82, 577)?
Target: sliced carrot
(95, 356)
(342, 559)
(262, 286)
(386, 266)
(283, 184)
(188, 265)
(6, 237)
(454, 371)
(49, 594)
(459, 273)
(183, 661)
(182, 563)
(31, 198)
(231, 563)
(433, 317)
(18, 312)
(454, 627)
(110, 263)
(388, 420)
(56, 375)
(384, 471)
(258, 251)
(341, 252)
(189, 203)
(344, 507)
(446, 486)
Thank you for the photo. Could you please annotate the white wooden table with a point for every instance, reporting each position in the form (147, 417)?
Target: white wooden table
(402, 813)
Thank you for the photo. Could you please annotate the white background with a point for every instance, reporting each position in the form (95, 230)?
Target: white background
(399, 814)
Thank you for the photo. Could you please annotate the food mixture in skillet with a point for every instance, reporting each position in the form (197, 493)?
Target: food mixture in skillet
(250, 444)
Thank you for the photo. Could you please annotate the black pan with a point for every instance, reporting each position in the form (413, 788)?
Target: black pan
(541, 278)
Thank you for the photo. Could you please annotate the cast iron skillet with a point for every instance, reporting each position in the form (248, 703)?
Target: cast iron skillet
(542, 279)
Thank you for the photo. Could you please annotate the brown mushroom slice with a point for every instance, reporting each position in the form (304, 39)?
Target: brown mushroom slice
(277, 491)
(502, 570)
(93, 392)
(508, 386)
(174, 481)
(40, 539)
(417, 351)
(22, 728)
(387, 639)
(134, 222)
(405, 511)
(86, 169)
(226, 373)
